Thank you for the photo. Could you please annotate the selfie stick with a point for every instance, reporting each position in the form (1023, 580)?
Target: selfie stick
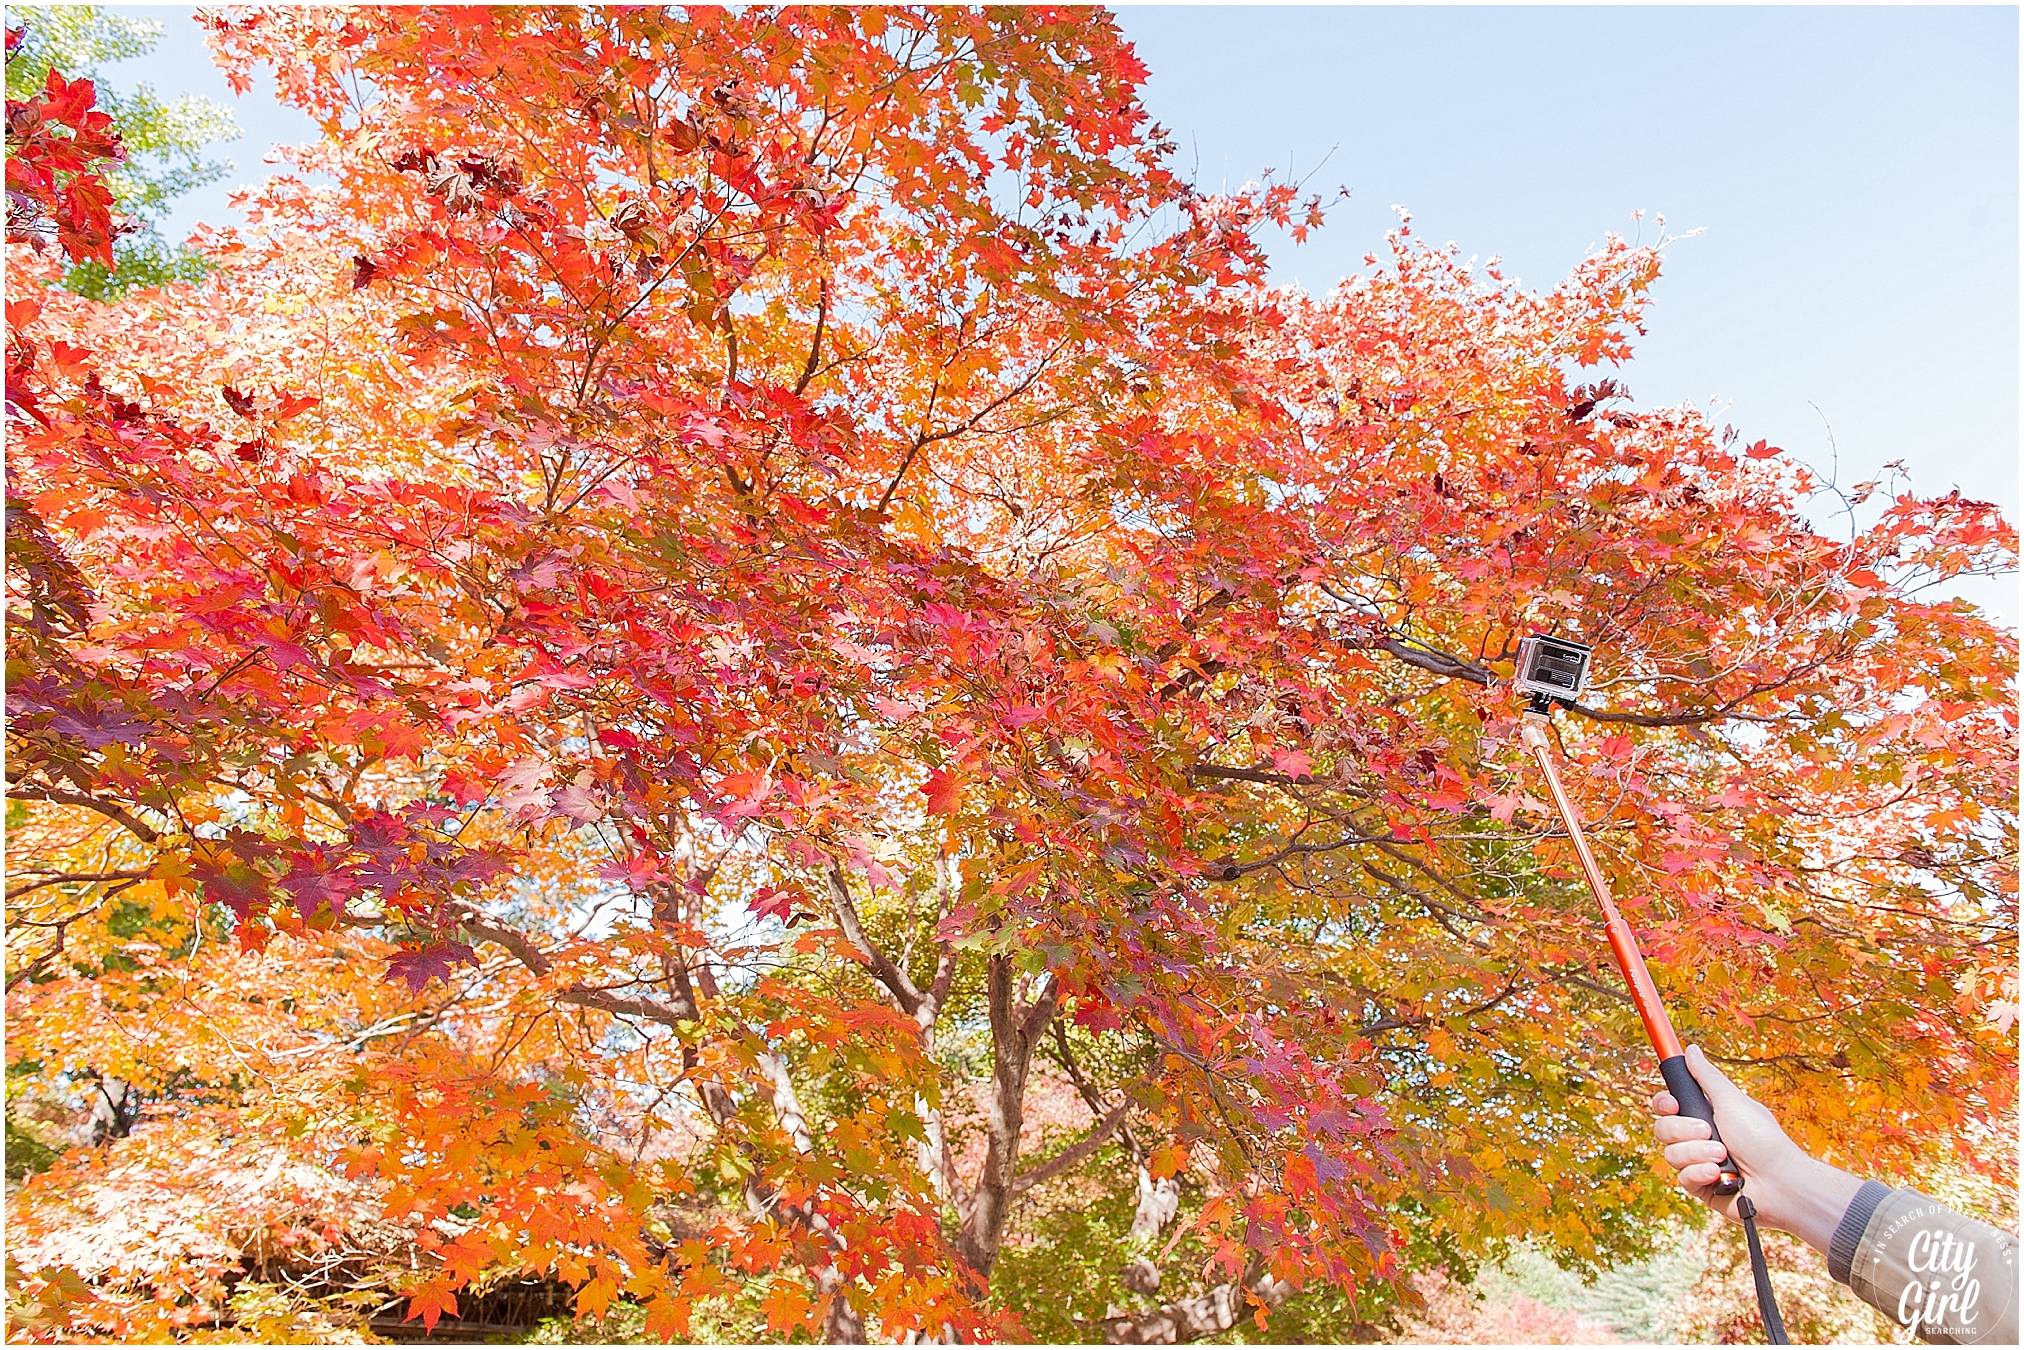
(1554, 670)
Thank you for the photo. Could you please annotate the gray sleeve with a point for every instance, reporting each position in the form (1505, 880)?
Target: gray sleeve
(1848, 1234)
(1940, 1275)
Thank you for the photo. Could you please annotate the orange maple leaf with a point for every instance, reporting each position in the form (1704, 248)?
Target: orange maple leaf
(431, 1301)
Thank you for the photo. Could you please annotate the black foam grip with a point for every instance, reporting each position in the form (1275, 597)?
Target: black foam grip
(1694, 1102)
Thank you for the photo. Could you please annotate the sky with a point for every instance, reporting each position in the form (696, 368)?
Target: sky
(1842, 182)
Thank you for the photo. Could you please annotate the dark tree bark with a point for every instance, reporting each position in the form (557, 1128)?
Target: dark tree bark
(115, 1106)
(1015, 1031)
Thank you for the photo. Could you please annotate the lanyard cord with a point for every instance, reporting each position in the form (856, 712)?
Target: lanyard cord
(1767, 1302)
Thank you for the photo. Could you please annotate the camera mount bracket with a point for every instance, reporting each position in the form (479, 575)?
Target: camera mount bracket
(1552, 671)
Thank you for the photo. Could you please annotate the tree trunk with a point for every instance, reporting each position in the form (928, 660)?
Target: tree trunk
(115, 1106)
(1014, 1033)
(842, 1324)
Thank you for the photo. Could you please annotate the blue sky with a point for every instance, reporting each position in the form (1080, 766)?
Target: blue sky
(1852, 174)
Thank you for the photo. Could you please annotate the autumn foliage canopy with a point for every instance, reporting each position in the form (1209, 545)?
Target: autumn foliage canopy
(756, 656)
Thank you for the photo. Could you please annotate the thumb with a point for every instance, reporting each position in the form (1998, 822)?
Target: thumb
(1721, 1092)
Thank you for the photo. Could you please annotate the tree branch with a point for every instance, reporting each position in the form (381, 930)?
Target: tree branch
(63, 877)
(110, 810)
(1249, 775)
(1436, 662)
(1038, 1014)
(926, 438)
(889, 975)
(1088, 1091)
(1075, 1153)
(1192, 1319)
(906, 462)
(1454, 668)
(815, 348)
(604, 1000)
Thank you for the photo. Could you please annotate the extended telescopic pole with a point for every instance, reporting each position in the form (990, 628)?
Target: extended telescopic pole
(1658, 1027)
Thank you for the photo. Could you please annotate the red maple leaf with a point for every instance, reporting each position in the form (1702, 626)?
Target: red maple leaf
(419, 965)
(942, 790)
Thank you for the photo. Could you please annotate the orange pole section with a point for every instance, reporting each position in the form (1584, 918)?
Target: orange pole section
(1645, 994)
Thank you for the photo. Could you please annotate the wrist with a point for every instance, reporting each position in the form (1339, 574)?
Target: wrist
(1809, 1200)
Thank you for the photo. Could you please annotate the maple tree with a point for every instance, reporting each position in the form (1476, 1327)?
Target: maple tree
(754, 669)
(59, 149)
(164, 142)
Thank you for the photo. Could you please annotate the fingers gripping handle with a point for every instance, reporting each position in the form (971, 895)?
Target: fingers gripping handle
(1694, 1102)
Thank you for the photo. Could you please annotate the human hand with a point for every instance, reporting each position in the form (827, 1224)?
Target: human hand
(1792, 1191)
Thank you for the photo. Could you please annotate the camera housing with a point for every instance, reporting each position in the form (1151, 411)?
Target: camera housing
(1552, 670)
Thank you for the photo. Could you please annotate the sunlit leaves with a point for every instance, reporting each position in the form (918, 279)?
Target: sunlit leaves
(654, 659)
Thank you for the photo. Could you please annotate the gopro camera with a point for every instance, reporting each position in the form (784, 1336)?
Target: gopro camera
(1552, 670)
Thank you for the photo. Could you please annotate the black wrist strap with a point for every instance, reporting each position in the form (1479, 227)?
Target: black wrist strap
(1767, 1302)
